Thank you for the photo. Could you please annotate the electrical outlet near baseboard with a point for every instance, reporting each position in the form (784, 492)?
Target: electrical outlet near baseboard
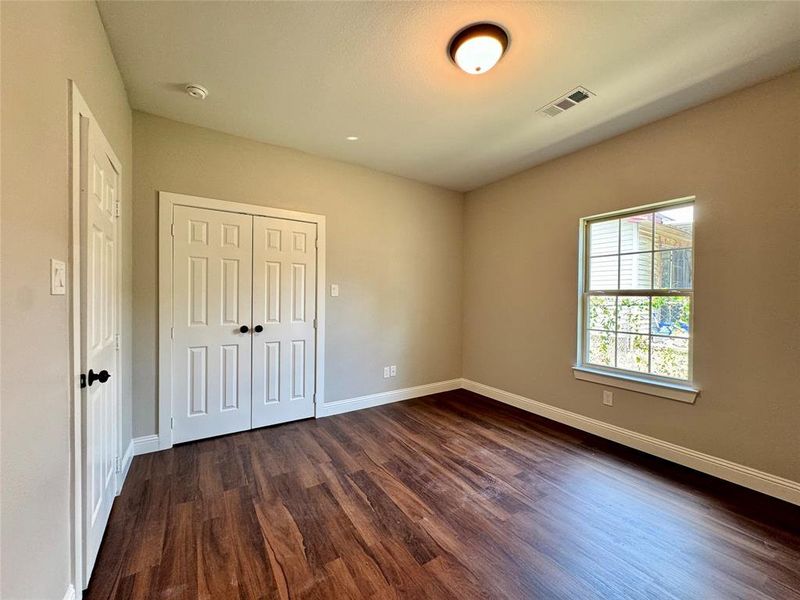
(387, 372)
(393, 370)
(608, 398)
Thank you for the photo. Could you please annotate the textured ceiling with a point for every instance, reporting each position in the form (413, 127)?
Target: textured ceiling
(307, 74)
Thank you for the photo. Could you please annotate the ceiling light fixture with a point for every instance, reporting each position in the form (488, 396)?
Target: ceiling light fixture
(478, 47)
(352, 138)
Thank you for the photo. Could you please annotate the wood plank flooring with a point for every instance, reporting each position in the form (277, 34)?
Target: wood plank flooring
(448, 496)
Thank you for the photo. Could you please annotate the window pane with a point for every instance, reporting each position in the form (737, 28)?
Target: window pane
(670, 357)
(672, 270)
(636, 234)
(603, 273)
(601, 348)
(674, 228)
(671, 316)
(635, 271)
(632, 352)
(604, 237)
(602, 312)
(634, 314)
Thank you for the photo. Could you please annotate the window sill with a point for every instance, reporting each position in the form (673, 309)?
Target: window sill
(673, 391)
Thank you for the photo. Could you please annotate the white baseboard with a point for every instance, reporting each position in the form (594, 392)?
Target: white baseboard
(145, 444)
(70, 593)
(127, 458)
(342, 406)
(772, 485)
(150, 443)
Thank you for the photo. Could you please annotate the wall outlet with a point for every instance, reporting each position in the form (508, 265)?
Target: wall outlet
(393, 370)
(334, 289)
(608, 398)
(386, 372)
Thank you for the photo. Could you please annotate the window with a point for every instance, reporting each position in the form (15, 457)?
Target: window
(636, 293)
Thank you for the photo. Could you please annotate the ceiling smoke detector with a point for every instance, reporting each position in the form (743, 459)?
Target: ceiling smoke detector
(196, 91)
(565, 102)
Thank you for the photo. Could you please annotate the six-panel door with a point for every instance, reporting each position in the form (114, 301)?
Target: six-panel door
(234, 271)
(99, 188)
(284, 305)
(212, 282)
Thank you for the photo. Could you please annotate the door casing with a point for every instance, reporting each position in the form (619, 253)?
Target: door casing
(166, 203)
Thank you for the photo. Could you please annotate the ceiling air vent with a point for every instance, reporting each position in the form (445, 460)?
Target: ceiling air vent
(565, 102)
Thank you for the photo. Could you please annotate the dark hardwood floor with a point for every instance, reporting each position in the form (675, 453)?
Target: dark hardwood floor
(448, 496)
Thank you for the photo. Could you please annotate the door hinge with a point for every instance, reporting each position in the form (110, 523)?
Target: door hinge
(172, 229)
(116, 209)
(172, 422)
(315, 323)
(116, 341)
(118, 463)
(316, 242)
(172, 333)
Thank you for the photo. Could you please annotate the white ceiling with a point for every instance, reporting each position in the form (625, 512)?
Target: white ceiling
(307, 74)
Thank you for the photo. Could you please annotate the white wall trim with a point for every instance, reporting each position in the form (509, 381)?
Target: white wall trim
(78, 106)
(70, 593)
(145, 444)
(125, 466)
(370, 400)
(772, 485)
(681, 393)
(166, 203)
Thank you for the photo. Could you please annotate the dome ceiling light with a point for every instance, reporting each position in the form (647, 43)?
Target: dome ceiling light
(478, 47)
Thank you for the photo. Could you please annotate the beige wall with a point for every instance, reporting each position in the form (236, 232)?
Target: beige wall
(394, 248)
(43, 45)
(740, 156)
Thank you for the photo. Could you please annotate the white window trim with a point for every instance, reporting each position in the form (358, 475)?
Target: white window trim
(653, 385)
(673, 391)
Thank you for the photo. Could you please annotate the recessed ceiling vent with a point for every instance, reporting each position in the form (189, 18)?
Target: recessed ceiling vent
(565, 102)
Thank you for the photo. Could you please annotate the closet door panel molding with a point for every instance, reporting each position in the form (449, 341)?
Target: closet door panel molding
(284, 304)
(224, 265)
(212, 285)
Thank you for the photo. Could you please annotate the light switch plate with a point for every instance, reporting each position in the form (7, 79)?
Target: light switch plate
(608, 398)
(58, 277)
(334, 289)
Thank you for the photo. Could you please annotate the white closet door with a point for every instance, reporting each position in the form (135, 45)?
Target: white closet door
(284, 307)
(212, 282)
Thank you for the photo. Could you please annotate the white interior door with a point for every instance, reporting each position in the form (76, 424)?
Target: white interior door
(99, 328)
(284, 315)
(212, 283)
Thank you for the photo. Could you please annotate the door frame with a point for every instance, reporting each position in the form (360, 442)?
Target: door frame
(79, 110)
(166, 203)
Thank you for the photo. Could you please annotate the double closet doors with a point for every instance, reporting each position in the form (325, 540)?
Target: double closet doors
(244, 316)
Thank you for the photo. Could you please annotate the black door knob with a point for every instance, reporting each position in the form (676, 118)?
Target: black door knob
(102, 376)
(244, 329)
(258, 328)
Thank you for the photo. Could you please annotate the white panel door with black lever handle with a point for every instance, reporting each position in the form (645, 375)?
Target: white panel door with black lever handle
(212, 286)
